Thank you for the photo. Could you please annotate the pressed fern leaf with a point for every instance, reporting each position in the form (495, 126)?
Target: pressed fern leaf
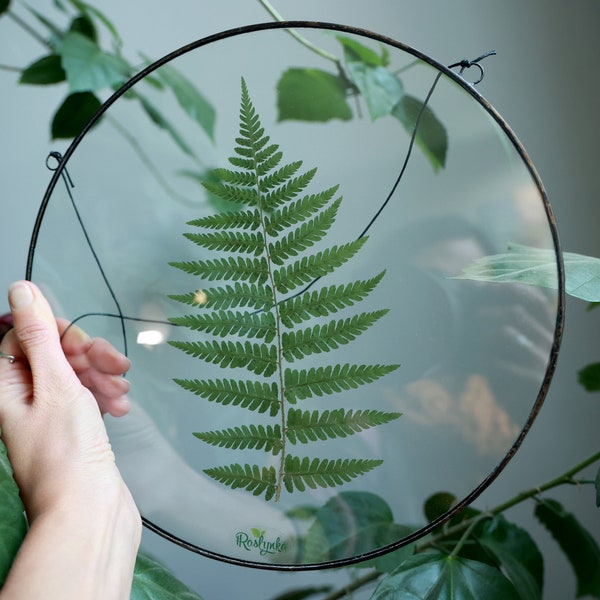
(298, 211)
(304, 236)
(320, 381)
(227, 322)
(229, 220)
(234, 268)
(309, 268)
(255, 437)
(323, 338)
(266, 250)
(306, 426)
(325, 301)
(249, 243)
(258, 358)
(301, 473)
(249, 477)
(256, 396)
(237, 295)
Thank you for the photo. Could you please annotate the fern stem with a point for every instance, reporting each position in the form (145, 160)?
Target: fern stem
(280, 473)
(28, 28)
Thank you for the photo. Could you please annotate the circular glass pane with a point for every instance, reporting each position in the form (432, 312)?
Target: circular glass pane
(278, 240)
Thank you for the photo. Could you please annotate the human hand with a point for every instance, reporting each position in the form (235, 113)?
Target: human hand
(84, 526)
(51, 400)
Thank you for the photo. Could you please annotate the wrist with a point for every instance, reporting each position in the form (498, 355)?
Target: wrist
(82, 548)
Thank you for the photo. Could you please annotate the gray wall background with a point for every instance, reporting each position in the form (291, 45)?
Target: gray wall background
(544, 82)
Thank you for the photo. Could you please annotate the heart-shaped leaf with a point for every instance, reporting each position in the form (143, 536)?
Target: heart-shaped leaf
(13, 525)
(435, 576)
(153, 581)
(580, 548)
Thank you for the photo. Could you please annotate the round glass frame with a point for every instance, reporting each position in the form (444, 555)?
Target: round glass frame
(434, 352)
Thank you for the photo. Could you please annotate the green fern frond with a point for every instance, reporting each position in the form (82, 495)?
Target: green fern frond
(325, 301)
(298, 211)
(256, 396)
(287, 191)
(257, 358)
(322, 381)
(279, 177)
(240, 195)
(304, 236)
(226, 241)
(268, 165)
(278, 228)
(311, 267)
(315, 473)
(235, 268)
(229, 241)
(245, 437)
(229, 220)
(236, 295)
(224, 323)
(241, 178)
(323, 338)
(251, 478)
(307, 426)
(236, 161)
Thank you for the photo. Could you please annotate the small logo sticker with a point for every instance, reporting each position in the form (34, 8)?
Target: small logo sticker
(258, 541)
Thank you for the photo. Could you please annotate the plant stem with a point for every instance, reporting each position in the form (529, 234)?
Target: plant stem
(565, 478)
(30, 30)
(358, 583)
(10, 68)
(468, 525)
(300, 38)
(277, 315)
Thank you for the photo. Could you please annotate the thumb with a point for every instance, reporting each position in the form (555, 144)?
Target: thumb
(37, 334)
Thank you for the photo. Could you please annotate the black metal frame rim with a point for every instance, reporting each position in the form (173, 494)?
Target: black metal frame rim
(469, 88)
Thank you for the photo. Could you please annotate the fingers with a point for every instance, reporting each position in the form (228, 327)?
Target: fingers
(36, 336)
(99, 366)
(84, 352)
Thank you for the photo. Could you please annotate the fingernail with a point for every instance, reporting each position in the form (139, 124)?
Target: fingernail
(20, 294)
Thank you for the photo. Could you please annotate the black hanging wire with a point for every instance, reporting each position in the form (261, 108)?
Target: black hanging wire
(463, 64)
(69, 185)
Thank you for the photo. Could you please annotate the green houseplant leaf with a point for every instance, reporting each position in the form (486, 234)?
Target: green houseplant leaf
(589, 377)
(517, 554)
(190, 99)
(578, 545)
(431, 135)
(153, 581)
(13, 524)
(265, 250)
(312, 95)
(350, 524)
(45, 71)
(435, 576)
(4, 6)
(88, 67)
(73, 114)
(537, 266)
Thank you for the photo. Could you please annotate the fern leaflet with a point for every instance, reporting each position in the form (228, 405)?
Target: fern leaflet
(247, 436)
(305, 426)
(269, 251)
(254, 395)
(301, 473)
